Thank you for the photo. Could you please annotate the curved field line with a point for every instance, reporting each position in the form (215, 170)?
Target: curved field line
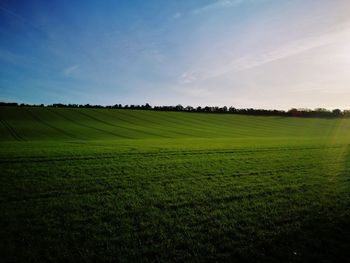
(128, 128)
(183, 124)
(53, 127)
(159, 125)
(165, 154)
(129, 122)
(225, 123)
(113, 125)
(183, 121)
(200, 124)
(12, 131)
(90, 127)
(177, 124)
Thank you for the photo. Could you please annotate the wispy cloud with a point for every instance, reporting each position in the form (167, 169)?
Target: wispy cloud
(70, 70)
(19, 18)
(236, 52)
(177, 15)
(21, 60)
(250, 61)
(188, 77)
(217, 4)
(11, 57)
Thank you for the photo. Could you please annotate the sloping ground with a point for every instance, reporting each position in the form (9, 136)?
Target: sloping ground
(26, 124)
(88, 185)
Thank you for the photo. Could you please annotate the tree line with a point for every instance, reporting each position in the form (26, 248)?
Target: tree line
(294, 112)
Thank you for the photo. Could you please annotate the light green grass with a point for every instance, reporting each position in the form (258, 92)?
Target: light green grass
(119, 185)
(38, 124)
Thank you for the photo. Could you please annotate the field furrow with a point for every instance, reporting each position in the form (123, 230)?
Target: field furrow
(121, 185)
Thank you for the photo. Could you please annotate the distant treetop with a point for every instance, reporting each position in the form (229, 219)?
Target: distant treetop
(294, 112)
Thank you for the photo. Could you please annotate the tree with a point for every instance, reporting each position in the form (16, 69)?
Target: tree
(179, 107)
(293, 112)
(147, 106)
(337, 112)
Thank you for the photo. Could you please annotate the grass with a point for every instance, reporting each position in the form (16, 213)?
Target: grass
(118, 185)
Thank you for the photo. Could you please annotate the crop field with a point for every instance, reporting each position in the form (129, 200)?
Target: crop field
(113, 185)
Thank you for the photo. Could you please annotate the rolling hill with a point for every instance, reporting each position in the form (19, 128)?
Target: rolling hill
(28, 124)
(107, 185)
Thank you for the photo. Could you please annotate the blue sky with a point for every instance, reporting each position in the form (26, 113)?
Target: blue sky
(244, 53)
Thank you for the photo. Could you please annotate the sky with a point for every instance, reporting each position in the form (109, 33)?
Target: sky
(269, 54)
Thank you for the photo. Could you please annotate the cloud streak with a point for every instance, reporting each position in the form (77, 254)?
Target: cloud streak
(250, 61)
(234, 52)
(70, 70)
(218, 4)
(20, 18)
(177, 15)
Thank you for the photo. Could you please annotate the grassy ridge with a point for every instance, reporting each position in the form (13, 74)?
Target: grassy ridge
(94, 124)
(119, 185)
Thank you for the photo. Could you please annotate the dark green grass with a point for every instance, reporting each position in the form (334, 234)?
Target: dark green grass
(118, 185)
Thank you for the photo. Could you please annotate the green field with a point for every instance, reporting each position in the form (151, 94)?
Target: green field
(121, 185)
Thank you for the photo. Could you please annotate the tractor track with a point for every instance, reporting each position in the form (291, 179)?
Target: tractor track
(12, 131)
